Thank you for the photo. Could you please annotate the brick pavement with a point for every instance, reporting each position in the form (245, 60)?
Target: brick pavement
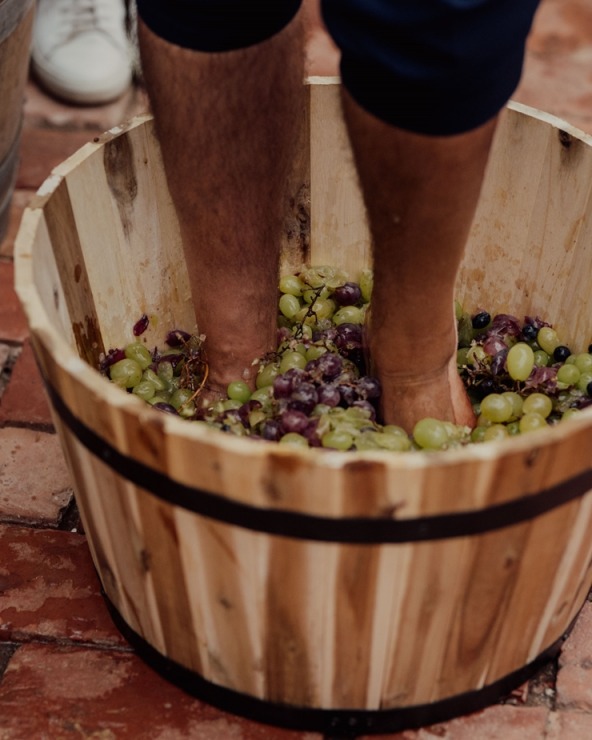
(65, 671)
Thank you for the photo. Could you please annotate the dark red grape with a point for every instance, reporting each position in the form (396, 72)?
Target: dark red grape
(141, 325)
(271, 430)
(304, 398)
(166, 407)
(177, 338)
(328, 395)
(112, 356)
(347, 294)
(293, 420)
(368, 388)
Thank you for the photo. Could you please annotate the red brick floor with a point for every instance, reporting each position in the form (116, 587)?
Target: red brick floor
(65, 671)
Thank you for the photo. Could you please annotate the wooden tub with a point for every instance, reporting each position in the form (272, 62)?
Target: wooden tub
(338, 592)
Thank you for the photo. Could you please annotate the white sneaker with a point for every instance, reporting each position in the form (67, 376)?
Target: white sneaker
(80, 49)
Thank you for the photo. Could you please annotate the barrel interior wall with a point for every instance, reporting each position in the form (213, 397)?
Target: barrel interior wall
(533, 228)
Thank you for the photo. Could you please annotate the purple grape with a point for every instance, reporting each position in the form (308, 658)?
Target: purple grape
(282, 386)
(368, 388)
(141, 325)
(293, 420)
(271, 430)
(349, 335)
(347, 294)
(304, 398)
(325, 367)
(348, 395)
(166, 407)
(328, 395)
(177, 338)
(112, 356)
(311, 433)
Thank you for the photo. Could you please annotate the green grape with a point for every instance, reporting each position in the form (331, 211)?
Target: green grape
(583, 362)
(314, 296)
(138, 352)
(583, 381)
(239, 391)
(267, 374)
(291, 359)
(144, 390)
(150, 376)
(292, 438)
(516, 400)
(520, 361)
(366, 283)
(476, 354)
(301, 349)
(231, 403)
(315, 351)
(337, 440)
(570, 413)
(394, 442)
(513, 428)
(567, 375)
(531, 422)
(256, 417)
(541, 358)
(165, 371)
(291, 285)
(324, 308)
(547, 339)
(430, 434)
(303, 330)
(538, 403)
(458, 310)
(348, 315)
(180, 397)
(289, 305)
(159, 398)
(126, 373)
(478, 434)
(395, 430)
(496, 408)
(263, 395)
(495, 432)
(571, 360)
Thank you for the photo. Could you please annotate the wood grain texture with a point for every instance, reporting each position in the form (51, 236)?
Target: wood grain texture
(303, 622)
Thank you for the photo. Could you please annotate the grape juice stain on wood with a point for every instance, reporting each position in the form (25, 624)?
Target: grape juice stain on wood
(121, 177)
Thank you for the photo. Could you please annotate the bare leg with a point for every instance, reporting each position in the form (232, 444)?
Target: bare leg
(228, 124)
(421, 193)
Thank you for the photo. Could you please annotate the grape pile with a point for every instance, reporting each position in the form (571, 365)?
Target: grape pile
(314, 390)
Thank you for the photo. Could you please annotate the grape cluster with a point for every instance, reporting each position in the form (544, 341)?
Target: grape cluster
(314, 389)
(518, 374)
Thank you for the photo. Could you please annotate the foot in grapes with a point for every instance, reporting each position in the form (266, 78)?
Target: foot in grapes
(438, 394)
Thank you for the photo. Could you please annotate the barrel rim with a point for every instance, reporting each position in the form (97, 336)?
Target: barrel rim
(69, 362)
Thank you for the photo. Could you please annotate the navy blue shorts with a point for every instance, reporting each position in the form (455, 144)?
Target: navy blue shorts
(436, 67)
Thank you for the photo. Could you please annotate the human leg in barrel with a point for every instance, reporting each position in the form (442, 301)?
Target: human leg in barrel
(225, 85)
(423, 83)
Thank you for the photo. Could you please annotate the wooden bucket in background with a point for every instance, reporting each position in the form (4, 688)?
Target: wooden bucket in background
(16, 24)
(338, 592)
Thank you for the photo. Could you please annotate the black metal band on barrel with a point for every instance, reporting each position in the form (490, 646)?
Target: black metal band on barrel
(353, 530)
(333, 722)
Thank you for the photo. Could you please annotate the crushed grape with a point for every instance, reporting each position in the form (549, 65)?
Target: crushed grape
(314, 389)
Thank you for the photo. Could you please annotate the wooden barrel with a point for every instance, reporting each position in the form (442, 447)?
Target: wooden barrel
(314, 589)
(16, 24)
